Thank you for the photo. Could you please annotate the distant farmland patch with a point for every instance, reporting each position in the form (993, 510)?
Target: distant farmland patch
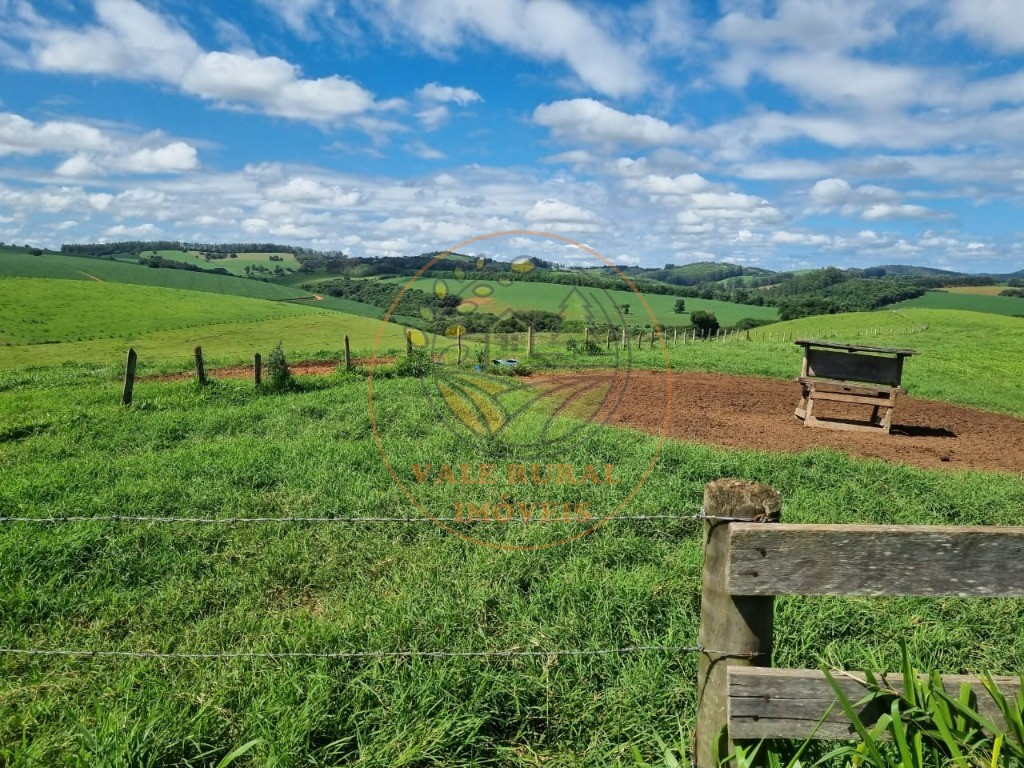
(970, 302)
(980, 290)
(594, 304)
(17, 263)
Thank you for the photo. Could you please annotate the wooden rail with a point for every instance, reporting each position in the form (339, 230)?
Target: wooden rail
(750, 557)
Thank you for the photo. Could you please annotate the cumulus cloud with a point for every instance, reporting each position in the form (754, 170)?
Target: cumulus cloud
(446, 93)
(19, 135)
(989, 22)
(591, 121)
(135, 43)
(869, 201)
(559, 215)
(548, 30)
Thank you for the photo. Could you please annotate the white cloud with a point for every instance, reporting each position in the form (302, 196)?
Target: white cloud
(19, 135)
(545, 30)
(434, 117)
(684, 184)
(888, 211)
(177, 156)
(134, 43)
(591, 121)
(557, 212)
(446, 93)
(424, 151)
(989, 22)
(78, 165)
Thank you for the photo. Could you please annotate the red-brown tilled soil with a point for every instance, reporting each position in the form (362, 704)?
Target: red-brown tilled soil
(757, 414)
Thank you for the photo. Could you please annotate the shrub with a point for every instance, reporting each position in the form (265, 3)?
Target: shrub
(279, 377)
(416, 363)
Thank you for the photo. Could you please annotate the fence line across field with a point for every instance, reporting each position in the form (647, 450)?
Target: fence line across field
(409, 654)
(55, 520)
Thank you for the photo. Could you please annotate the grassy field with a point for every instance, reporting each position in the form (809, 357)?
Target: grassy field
(971, 302)
(587, 303)
(46, 322)
(21, 264)
(964, 357)
(225, 451)
(979, 290)
(68, 448)
(236, 265)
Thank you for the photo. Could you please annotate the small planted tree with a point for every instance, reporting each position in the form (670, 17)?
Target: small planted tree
(279, 377)
(680, 307)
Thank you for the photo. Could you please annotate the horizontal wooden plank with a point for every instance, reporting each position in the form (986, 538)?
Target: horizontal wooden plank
(847, 366)
(789, 703)
(785, 559)
(843, 397)
(855, 347)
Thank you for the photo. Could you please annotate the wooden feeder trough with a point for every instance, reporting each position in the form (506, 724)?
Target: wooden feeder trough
(847, 373)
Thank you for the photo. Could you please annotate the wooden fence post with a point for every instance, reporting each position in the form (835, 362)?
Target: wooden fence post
(652, 338)
(348, 355)
(640, 340)
(129, 377)
(734, 630)
(257, 370)
(623, 337)
(675, 336)
(586, 336)
(200, 370)
(408, 342)
(529, 341)
(458, 341)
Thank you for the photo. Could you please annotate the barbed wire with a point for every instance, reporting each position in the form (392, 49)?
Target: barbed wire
(56, 519)
(410, 654)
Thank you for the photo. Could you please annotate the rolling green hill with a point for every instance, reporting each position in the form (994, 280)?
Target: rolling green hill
(592, 304)
(236, 266)
(971, 302)
(47, 321)
(17, 263)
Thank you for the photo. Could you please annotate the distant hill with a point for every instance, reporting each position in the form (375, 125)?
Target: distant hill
(908, 270)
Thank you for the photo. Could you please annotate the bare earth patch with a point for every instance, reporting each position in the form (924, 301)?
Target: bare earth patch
(757, 414)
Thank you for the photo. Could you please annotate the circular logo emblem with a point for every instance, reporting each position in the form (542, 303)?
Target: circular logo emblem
(488, 343)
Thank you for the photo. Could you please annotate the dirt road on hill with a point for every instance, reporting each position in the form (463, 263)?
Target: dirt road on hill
(757, 414)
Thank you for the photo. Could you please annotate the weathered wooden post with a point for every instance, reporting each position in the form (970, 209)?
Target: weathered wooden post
(458, 342)
(408, 342)
(586, 337)
(129, 377)
(348, 355)
(608, 340)
(257, 369)
(623, 337)
(200, 370)
(675, 337)
(653, 334)
(640, 339)
(529, 341)
(734, 630)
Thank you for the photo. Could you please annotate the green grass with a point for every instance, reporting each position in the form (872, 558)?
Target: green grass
(47, 322)
(21, 264)
(964, 357)
(69, 448)
(237, 265)
(970, 302)
(590, 303)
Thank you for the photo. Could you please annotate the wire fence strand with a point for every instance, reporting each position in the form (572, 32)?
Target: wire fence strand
(58, 519)
(410, 654)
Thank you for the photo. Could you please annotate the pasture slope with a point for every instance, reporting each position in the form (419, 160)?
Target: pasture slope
(44, 322)
(225, 451)
(51, 265)
(580, 303)
(235, 266)
(970, 302)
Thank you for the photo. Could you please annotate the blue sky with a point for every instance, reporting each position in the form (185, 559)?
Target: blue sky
(780, 134)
